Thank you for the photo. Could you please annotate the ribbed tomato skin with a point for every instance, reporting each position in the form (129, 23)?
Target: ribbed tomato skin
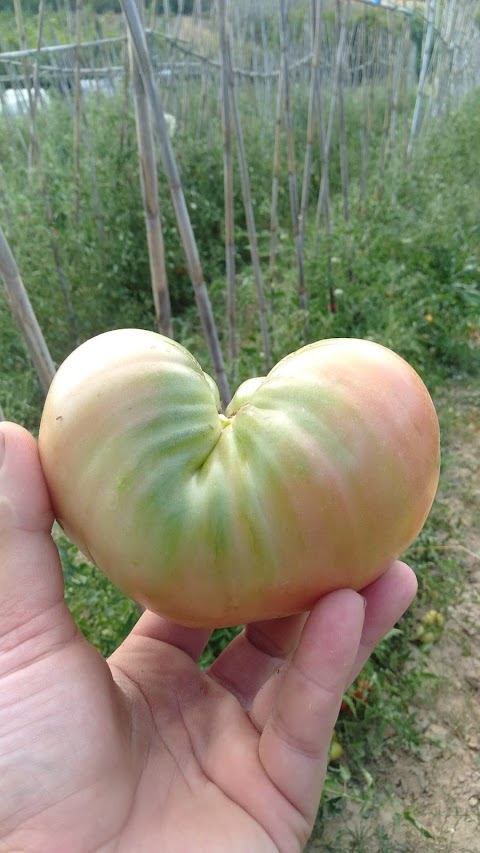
(316, 479)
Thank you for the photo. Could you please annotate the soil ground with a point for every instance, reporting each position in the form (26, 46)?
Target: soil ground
(440, 788)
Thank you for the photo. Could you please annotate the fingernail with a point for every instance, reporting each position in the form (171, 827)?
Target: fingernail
(2, 448)
(364, 602)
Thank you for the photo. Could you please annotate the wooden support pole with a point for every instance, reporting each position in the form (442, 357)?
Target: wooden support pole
(248, 206)
(292, 169)
(24, 315)
(228, 183)
(149, 188)
(178, 197)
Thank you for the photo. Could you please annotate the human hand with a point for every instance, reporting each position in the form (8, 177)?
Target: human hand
(146, 752)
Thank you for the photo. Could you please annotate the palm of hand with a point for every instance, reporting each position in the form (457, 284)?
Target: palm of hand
(99, 758)
(150, 753)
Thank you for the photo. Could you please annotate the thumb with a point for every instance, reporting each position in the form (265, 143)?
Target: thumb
(31, 580)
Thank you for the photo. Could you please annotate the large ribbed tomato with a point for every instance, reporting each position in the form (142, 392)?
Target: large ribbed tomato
(316, 477)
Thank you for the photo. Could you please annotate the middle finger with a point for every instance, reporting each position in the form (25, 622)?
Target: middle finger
(254, 655)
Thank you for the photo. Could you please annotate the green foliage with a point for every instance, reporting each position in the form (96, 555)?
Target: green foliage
(408, 274)
(384, 722)
(218, 642)
(101, 612)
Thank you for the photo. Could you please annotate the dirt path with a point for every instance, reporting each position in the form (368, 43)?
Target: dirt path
(442, 788)
(445, 795)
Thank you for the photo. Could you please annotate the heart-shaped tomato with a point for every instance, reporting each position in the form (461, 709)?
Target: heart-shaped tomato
(315, 478)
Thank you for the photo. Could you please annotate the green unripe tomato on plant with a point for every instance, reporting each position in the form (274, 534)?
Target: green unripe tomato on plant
(315, 478)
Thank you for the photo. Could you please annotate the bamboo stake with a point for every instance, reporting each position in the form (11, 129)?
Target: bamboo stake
(97, 206)
(446, 82)
(24, 316)
(181, 211)
(400, 52)
(205, 76)
(341, 122)
(35, 145)
(276, 174)
(266, 67)
(60, 65)
(166, 12)
(27, 77)
(444, 63)
(292, 168)
(254, 64)
(149, 188)
(228, 185)
(68, 16)
(410, 57)
(248, 205)
(402, 64)
(472, 37)
(387, 110)
(77, 115)
(456, 70)
(427, 113)
(23, 45)
(171, 97)
(153, 15)
(324, 158)
(107, 49)
(330, 80)
(48, 207)
(187, 89)
(64, 286)
(435, 60)
(203, 96)
(356, 58)
(364, 120)
(307, 167)
(333, 104)
(124, 126)
(375, 66)
(427, 45)
(4, 201)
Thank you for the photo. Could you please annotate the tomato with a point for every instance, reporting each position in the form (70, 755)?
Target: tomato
(315, 478)
(362, 691)
(433, 618)
(336, 751)
(358, 695)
